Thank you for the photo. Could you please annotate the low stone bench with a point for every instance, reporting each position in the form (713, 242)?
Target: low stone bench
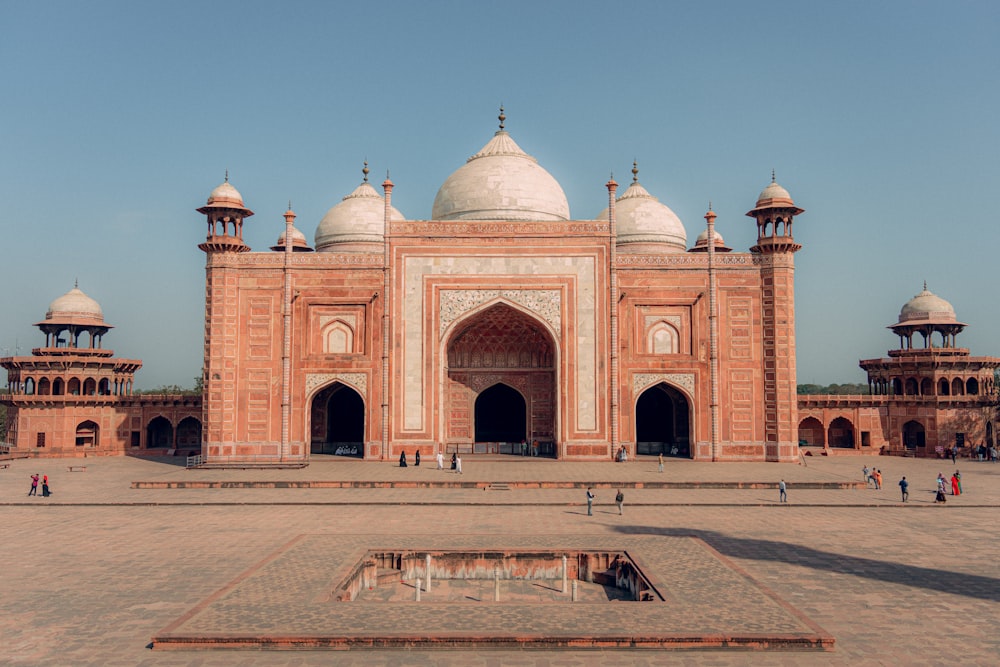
(76, 468)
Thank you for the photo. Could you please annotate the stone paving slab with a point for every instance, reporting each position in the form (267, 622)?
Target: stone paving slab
(286, 600)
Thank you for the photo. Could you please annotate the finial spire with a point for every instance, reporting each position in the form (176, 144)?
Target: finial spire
(709, 204)
(635, 171)
(772, 175)
(501, 117)
(925, 285)
(76, 283)
(365, 170)
(289, 204)
(227, 175)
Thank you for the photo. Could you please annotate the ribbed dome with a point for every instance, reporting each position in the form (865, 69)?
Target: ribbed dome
(74, 307)
(701, 243)
(358, 219)
(641, 218)
(501, 182)
(927, 308)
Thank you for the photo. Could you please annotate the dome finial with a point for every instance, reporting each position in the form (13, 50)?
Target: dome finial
(365, 170)
(289, 204)
(635, 171)
(772, 176)
(925, 285)
(501, 117)
(227, 175)
(76, 283)
(709, 204)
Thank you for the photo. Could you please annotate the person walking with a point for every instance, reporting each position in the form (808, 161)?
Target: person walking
(661, 462)
(620, 500)
(416, 458)
(590, 502)
(866, 473)
(440, 460)
(904, 488)
(34, 485)
(956, 490)
(45, 487)
(782, 492)
(458, 464)
(878, 479)
(402, 459)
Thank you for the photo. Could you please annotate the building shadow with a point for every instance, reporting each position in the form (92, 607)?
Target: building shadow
(944, 581)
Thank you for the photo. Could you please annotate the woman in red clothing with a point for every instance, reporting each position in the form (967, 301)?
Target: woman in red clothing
(956, 490)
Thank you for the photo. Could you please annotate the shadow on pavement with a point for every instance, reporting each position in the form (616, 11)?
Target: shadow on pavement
(956, 583)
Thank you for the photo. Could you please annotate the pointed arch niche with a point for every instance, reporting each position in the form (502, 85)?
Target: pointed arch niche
(500, 345)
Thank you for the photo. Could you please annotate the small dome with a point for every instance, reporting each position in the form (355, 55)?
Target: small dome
(225, 195)
(74, 307)
(501, 182)
(927, 308)
(299, 242)
(358, 219)
(701, 243)
(774, 196)
(641, 218)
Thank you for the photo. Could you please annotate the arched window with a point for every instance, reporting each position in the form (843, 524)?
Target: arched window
(911, 387)
(972, 387)
(897, 387)
(338, 338)
(926, 387)
(944, 389)
(58, 387)
(957, 387)
(662, 339)
(89, 387)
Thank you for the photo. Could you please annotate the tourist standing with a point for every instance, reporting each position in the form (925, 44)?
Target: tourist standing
(45, 487)
(402, 459)
(878, 479)
(956, 490)
(454, 460)
(416, 458)
(34, 485)
(590, 502)
(458, 464)
(660, 466)
(904, 488)
(782, 492)
(440, 460)
(866, 473)
(620, 500)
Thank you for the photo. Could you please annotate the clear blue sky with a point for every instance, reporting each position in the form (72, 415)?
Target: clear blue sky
(118, 119)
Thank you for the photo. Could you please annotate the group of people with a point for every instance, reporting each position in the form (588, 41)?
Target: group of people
(531, 449)
(45, 486)
(456, 461)
(942, 486)
(872, 476)
(619, 500)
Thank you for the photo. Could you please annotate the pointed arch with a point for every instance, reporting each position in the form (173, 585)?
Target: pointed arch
(338, 337)
(662, 338)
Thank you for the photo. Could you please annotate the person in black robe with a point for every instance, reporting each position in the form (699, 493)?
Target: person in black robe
(454, 460)
(416, 458)
(402, 459)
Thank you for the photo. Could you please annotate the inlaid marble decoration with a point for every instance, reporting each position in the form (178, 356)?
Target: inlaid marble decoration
(357, 380)
(546, 303)
(641, 381)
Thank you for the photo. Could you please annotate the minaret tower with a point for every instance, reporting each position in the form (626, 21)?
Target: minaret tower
(774, 213)
(225, 213)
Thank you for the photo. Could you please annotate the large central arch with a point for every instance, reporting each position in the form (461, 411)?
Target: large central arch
(500, 383)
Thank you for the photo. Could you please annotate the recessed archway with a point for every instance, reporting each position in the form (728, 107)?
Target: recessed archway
(159, 433)
(914, 435)
(662, 418)
(811, 432)
(88, 434)
(841, 433)
(493, 355)
(338, 421)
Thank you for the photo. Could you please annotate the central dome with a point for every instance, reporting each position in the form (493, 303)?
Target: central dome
(501, 182)
(646, 223)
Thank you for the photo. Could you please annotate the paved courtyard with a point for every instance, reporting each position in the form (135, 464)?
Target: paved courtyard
(94, 572)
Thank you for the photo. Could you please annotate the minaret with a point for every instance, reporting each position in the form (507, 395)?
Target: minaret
(774, 213)
(615, 300)
(225, 213)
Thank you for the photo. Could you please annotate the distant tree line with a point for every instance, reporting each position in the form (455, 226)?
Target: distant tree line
(175, 389)
(812, 389)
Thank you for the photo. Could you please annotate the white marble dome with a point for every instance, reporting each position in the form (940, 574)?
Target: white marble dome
(225, 195)
(927, 307)
(358, 219)
(501, 182)
(75, 307)
(298, 241)
(641, 219)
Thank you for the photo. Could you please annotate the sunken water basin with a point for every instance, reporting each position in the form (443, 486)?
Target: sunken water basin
(524, 576)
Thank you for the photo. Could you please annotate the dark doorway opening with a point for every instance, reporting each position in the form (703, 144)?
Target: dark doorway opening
(661, 422)
(501, 415)
(338, 422)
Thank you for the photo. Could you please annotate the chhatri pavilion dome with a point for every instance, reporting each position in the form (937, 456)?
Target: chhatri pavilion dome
(74, 307)
(225, 196)
(501, 182)
(641, 219)
(927, 308)
(358, 219)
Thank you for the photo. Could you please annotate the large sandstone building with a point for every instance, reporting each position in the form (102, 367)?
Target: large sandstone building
(501, 319)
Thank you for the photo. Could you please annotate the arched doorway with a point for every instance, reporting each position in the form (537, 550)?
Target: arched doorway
(841, 433)
(338, 421)
(159, 433)
(913, 435)
(662, 418)
(189, 437)
(500, 383)
(811, 432)
(500, 415)
(87, 434)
